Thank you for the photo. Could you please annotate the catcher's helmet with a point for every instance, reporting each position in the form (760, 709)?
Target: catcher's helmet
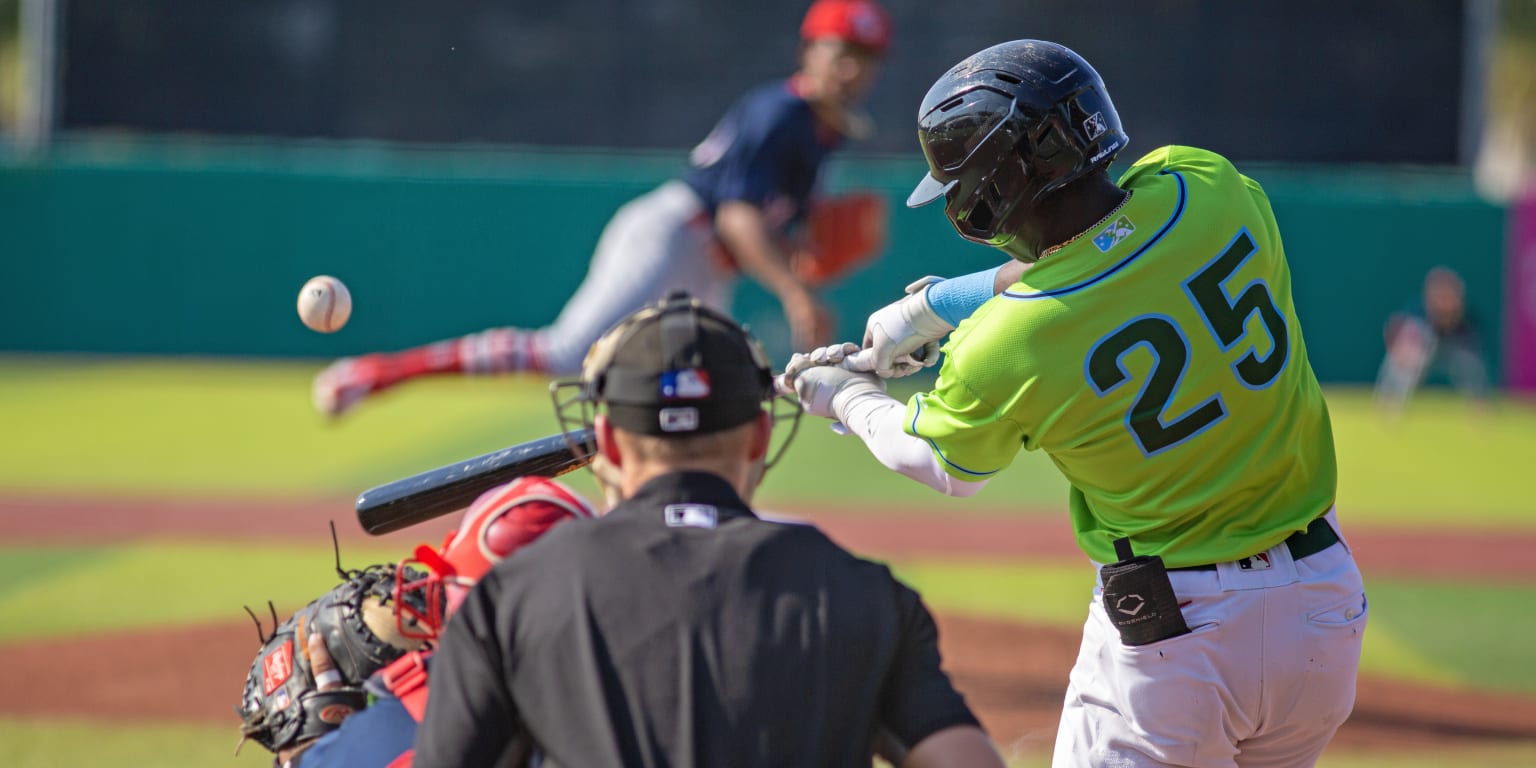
(1007, 126)
(500, 522)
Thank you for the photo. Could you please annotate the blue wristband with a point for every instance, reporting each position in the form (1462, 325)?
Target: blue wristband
(956, 298)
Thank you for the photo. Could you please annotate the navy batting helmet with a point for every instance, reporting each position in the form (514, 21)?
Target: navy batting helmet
(1007, 126)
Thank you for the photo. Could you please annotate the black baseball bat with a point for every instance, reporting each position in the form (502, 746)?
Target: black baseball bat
(434, 493)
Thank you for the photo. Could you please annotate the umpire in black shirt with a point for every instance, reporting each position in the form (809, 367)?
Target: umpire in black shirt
(680, 629)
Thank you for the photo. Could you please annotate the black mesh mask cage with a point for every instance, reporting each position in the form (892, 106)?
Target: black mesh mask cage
(576, 401)
(1008, 126)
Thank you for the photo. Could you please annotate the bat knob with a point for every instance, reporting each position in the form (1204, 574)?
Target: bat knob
(782, 385)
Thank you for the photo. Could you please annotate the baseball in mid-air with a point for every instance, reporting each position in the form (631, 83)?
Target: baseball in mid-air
(325, 304)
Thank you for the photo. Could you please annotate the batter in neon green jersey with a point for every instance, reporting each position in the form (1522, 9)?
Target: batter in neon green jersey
(1144, 337)
(1195, 425)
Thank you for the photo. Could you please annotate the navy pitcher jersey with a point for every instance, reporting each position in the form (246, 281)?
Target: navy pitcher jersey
(767, 150)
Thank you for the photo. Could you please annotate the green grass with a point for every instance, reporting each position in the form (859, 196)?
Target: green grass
(1055, 595)
(246, 427)
(1443, 460)
(189, 427)
(1419, 631)
(1461, 633)
(29, 743)
(160, 584)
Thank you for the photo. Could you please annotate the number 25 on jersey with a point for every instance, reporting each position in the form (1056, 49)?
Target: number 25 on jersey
(1226, 319)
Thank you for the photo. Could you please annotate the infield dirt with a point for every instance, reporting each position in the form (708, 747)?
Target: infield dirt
(1014, 674)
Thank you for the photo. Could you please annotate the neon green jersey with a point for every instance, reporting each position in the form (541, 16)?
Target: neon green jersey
(1159, 362)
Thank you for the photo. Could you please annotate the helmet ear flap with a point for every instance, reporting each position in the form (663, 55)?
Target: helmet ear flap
(999, 197)
(983, 214)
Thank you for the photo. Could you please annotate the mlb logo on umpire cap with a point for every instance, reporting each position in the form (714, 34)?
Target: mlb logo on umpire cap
(677, 368)
(690, 384)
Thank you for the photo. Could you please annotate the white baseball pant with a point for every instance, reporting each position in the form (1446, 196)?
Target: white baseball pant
(1263, 680)
(657, 243)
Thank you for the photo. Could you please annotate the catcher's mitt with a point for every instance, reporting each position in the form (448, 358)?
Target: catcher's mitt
(282, 705)
(845, 233)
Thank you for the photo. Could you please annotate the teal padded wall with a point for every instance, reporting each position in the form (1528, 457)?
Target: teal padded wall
(183, 248)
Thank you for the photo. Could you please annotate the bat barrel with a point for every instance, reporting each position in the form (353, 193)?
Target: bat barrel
(447, 489)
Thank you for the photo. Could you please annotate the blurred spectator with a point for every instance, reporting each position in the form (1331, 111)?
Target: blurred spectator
(1439, 334)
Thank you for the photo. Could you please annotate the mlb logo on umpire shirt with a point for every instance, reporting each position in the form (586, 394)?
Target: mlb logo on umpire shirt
(691, 515)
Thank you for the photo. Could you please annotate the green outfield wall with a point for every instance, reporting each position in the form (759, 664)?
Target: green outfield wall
(196, 248)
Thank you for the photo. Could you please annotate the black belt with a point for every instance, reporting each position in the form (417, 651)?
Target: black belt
(1318, 536)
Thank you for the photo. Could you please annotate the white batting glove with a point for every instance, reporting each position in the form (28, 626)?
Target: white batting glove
(822, 388)
(833, 354)
(903, 336)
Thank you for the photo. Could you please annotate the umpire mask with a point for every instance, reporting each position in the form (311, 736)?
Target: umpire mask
(674, 368)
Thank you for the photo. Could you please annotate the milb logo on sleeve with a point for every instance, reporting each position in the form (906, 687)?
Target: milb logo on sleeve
(1113, 234)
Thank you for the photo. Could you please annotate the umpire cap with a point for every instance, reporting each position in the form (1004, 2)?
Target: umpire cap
(678, 368)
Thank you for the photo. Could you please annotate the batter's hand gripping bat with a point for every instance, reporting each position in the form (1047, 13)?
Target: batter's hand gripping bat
(862, 361)
(434, 493)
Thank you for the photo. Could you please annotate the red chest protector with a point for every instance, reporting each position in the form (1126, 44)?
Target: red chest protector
(406, 679)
